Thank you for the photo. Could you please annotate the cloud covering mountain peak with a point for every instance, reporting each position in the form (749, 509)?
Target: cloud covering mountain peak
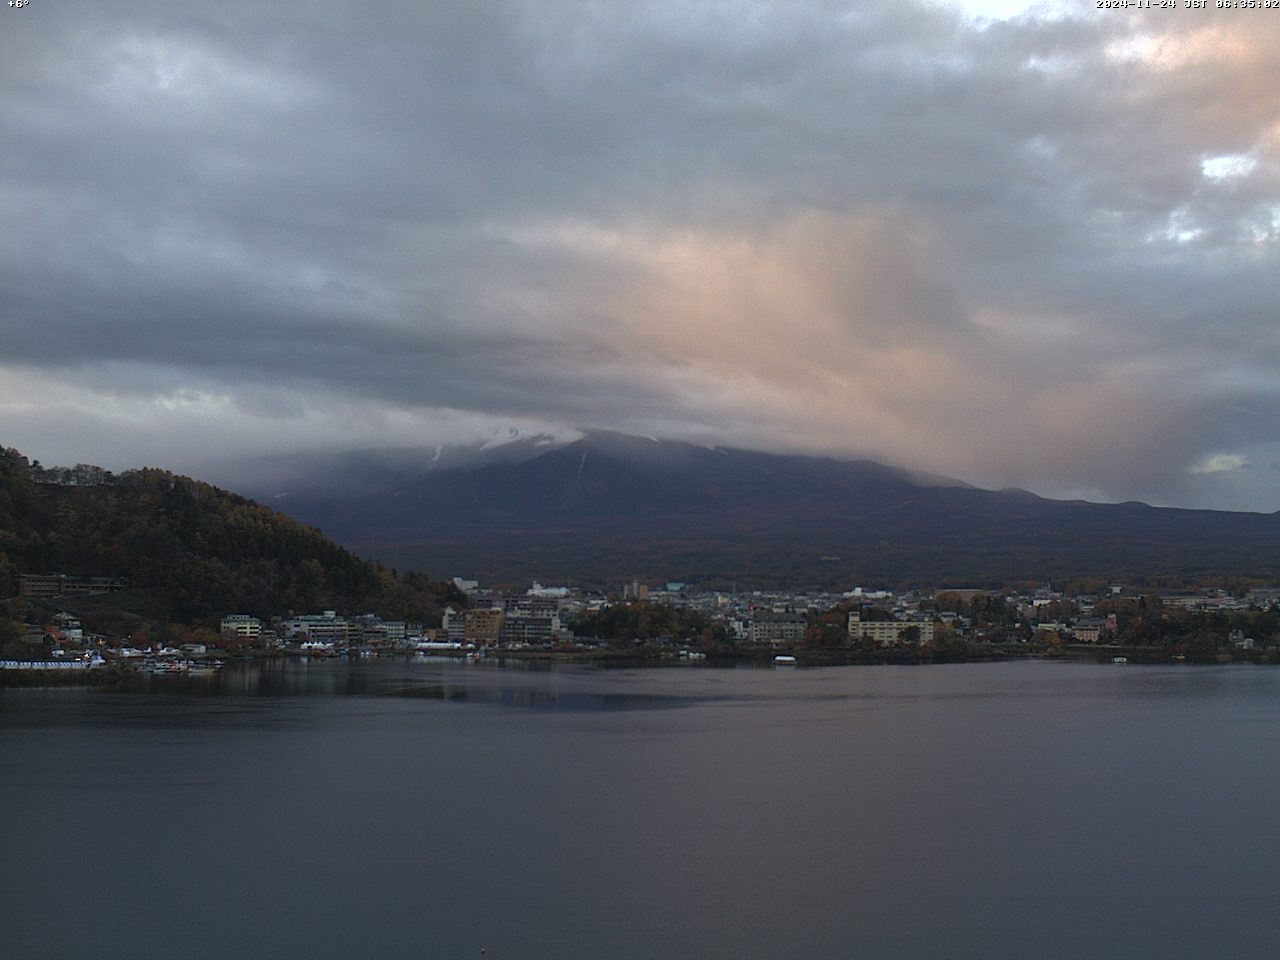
(1004, 249)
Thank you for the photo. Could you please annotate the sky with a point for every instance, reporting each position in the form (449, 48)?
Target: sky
(1020, 244)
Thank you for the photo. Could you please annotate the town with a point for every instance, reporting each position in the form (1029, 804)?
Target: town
(675, 621)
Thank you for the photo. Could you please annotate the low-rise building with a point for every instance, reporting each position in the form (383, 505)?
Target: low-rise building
(46, 586)
(40, 586)
(888, 632)
(1094, 629)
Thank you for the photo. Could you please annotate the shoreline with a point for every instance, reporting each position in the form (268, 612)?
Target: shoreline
(119, 674)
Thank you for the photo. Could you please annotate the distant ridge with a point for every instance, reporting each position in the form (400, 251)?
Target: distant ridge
(611, 506)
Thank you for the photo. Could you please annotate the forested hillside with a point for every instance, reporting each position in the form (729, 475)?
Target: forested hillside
(190, 551)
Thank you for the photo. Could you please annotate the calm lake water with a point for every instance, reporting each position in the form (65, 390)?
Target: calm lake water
(388, 810)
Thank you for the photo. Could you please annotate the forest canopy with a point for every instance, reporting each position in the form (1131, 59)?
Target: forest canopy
(190, 552)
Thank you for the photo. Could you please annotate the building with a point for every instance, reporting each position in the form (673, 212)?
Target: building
(453, 626)
(1237, 639)
(46, 586)
(371, 629)
(965, 595)
(635, 590)
(1094, 629)
(483, 626)
(777, 629)
(529, 628)
(40, 586)
(67, 628)
(554, 593)
(887, 632)
(240, 627)
(1264, 596)
(326, 628)
(532, 619)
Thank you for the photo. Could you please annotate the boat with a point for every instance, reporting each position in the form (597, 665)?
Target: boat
(784, 660)
(1119, 659)
(170, 668)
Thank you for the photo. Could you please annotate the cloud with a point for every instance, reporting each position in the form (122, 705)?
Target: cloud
(1220, 463)
(1028, 245)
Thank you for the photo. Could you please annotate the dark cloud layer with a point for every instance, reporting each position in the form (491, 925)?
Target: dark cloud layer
(1039, 251)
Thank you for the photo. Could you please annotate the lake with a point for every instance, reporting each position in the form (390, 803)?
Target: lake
(396, 809)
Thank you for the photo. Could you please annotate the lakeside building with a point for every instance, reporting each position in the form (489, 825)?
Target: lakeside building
(1237, 639)
(529, 629)
(777, 629)
(483, 626)
(371, 629)
(240, 627)
(52, 664)
(887, 632)
(328, 628)
(1094, 629)
(453, 626)
(532, 619)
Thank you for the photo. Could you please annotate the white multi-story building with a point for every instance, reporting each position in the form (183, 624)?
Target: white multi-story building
(555, 593)
(453, 626)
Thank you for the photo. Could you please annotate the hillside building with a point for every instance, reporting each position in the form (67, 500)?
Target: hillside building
(47, 586)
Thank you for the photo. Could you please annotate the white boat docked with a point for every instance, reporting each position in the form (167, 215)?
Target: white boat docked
(784, 660)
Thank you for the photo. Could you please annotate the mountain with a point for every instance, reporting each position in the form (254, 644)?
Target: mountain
(189, 552)
(347, 473)
(610, 506)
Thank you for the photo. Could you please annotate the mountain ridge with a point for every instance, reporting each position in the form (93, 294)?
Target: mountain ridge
(609, 506)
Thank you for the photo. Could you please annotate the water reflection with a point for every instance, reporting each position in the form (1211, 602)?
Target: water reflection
(577, 687)
(526, 684)
(400, 810)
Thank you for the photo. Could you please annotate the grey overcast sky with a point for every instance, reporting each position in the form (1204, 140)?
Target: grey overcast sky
(1032, 245)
